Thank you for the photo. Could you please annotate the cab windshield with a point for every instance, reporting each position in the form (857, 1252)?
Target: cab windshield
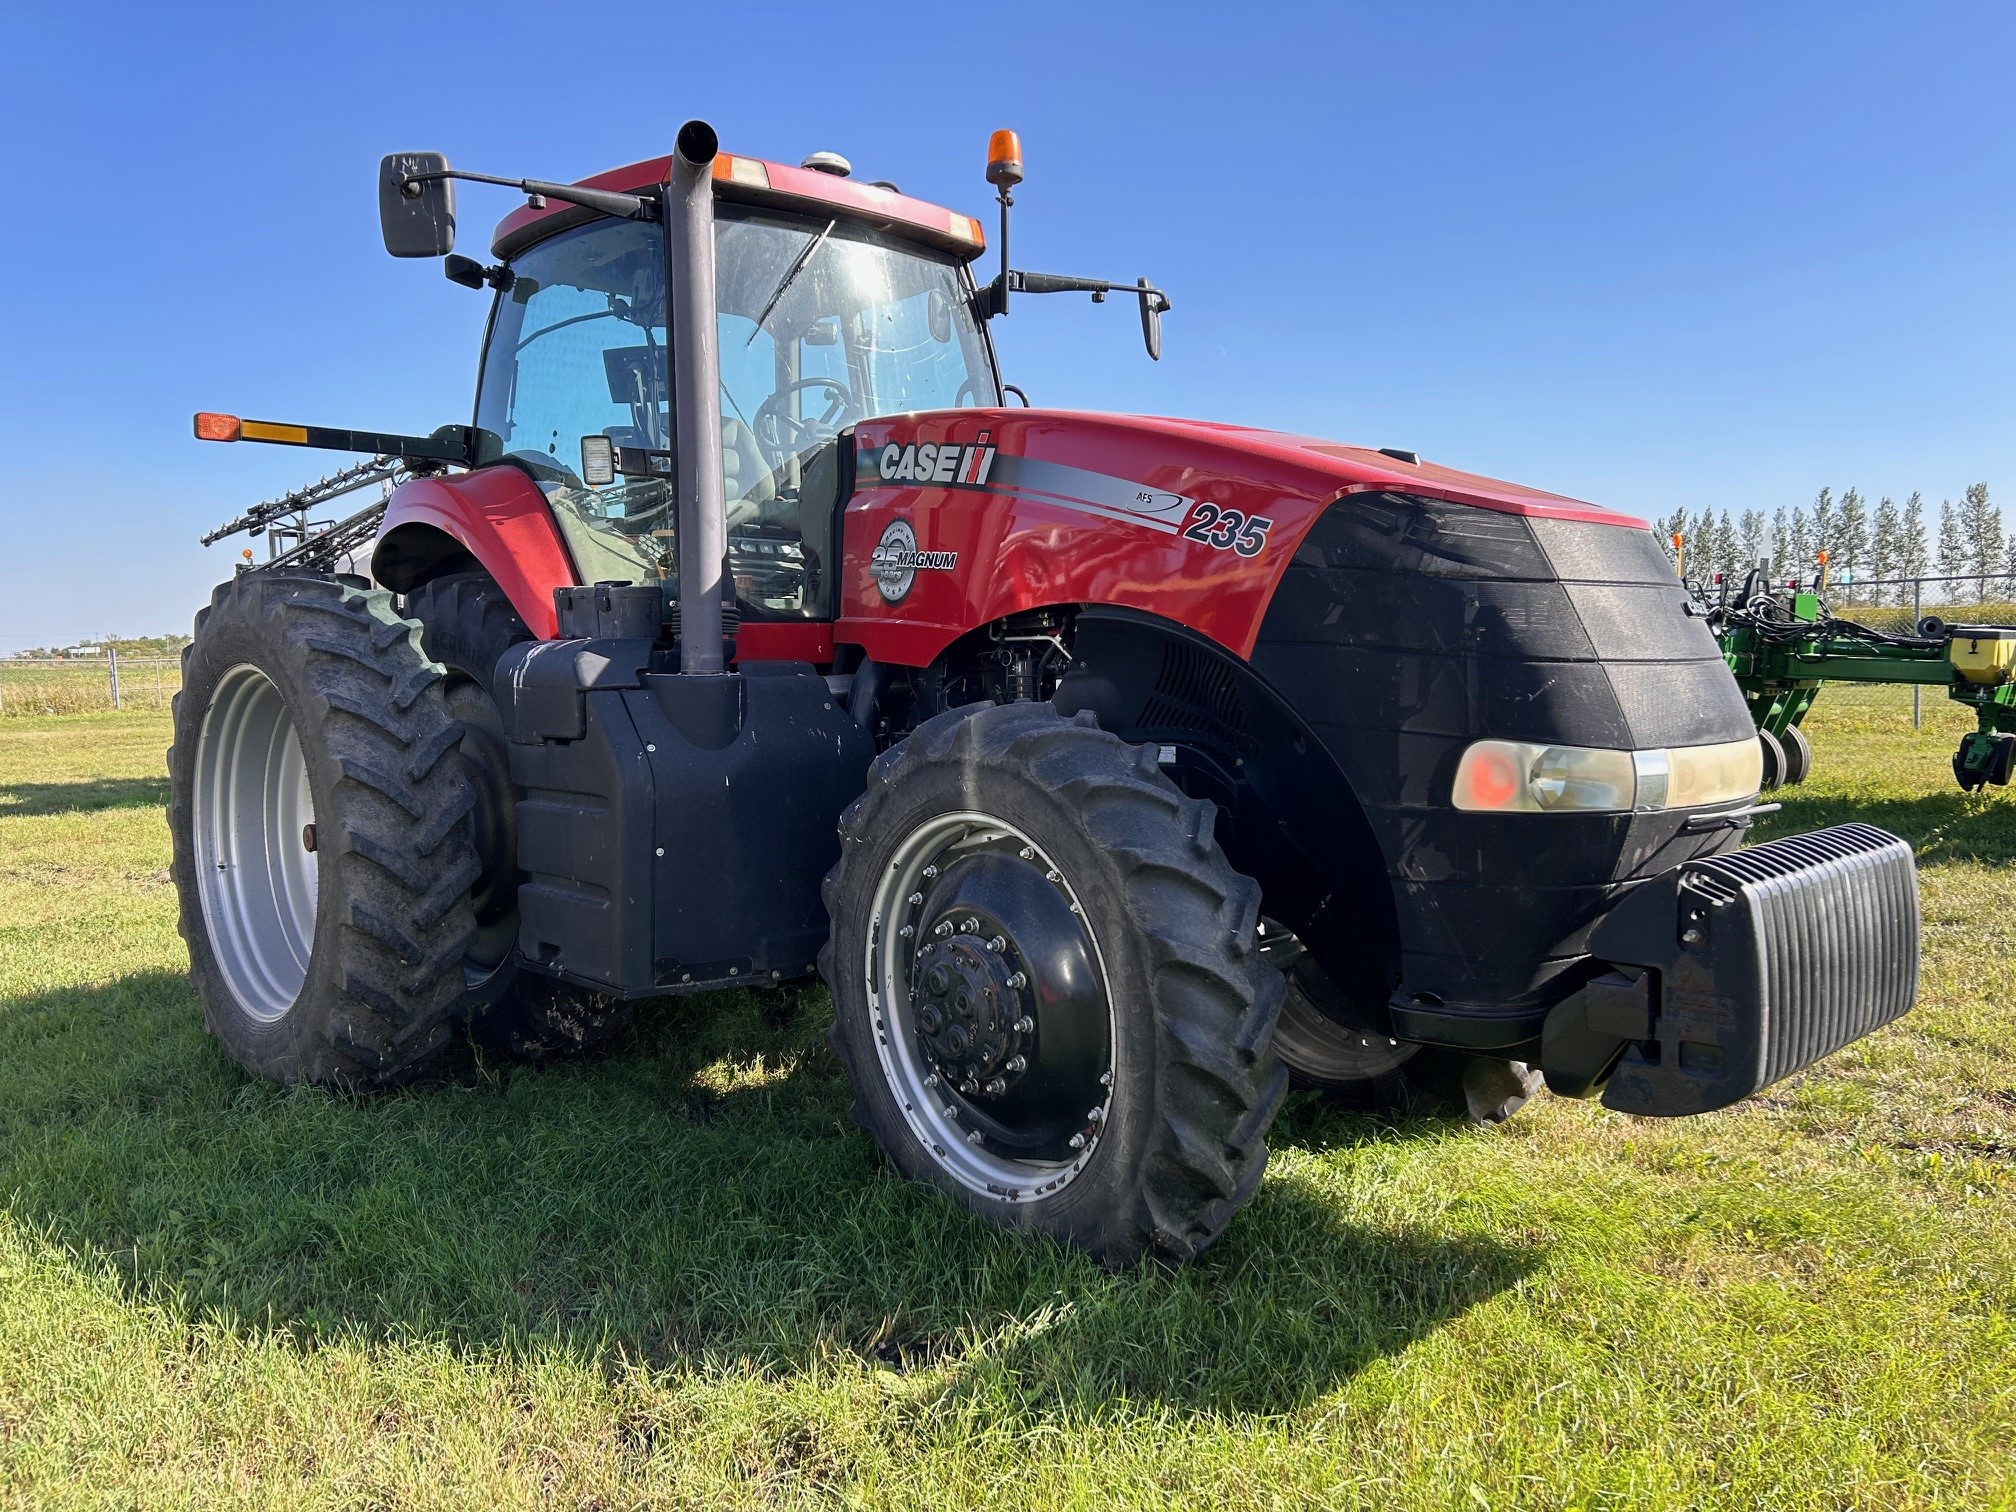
(822, 322)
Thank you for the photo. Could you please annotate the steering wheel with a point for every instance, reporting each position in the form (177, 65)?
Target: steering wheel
(782, 434)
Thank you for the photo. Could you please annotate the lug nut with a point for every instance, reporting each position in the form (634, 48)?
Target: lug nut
(997, 944)
(930, 872)
(1077, 1141)
(1096, 1114)
(930, 1078)
(1053, 875)
(906, 931)
(1025, 1025)
(970, 925)
(916, 898)
(943, 930)
(996, 1087)
(1017, 982)
(1018, 1063)
(1105, 1078)
(1028, 854)
(974, 1137)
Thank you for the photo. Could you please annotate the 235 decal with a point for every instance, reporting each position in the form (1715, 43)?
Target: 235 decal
(1228, 530)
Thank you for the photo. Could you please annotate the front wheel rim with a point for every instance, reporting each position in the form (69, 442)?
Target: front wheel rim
(975, 931)
(253, 821)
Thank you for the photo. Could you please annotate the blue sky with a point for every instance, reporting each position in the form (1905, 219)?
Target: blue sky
(1656, 256)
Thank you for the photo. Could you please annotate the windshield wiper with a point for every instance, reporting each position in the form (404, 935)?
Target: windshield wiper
(796, 268)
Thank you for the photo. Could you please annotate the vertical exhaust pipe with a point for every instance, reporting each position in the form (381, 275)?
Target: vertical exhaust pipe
(696, 394)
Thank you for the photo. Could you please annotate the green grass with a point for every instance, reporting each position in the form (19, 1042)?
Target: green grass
(31, 689)
(674, 1274)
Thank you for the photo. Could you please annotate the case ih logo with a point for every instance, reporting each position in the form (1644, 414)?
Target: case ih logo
(948, 463)
(896, 561)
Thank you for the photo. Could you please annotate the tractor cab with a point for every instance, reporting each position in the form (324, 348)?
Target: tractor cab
(836, 302)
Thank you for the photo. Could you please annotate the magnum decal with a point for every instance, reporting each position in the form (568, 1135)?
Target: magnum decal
(896, 561)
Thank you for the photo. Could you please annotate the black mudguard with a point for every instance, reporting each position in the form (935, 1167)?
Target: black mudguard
(673, 829)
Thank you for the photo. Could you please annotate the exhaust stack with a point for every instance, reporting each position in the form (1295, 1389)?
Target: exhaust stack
(696, 389)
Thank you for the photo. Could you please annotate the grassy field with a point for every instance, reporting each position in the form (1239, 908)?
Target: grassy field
(29, 689)
(674, 1274)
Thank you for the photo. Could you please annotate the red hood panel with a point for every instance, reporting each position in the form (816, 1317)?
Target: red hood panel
(1356, 468)
(962, 517)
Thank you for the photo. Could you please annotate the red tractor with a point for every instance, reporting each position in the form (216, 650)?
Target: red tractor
(1111, 770)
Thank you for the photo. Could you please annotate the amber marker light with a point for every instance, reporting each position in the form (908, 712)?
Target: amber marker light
(211, 427)
(1004, 158)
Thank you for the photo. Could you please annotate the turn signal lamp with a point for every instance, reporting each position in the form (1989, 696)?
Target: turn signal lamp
(1004, 159)
(742, 170)
(1522, 777)
(211, 427)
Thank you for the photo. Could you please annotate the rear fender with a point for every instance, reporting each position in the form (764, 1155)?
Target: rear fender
(1289, 818)
(495, 515)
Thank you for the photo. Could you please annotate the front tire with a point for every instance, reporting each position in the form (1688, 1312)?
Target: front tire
(1047, 985)
(320, 829)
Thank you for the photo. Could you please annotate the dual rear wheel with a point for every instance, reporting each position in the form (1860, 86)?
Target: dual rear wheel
(342, 817)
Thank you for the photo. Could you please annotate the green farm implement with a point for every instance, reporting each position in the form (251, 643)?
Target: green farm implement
(1783, 644)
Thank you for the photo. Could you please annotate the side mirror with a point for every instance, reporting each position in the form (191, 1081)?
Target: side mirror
(418, 219)
(1153, 303)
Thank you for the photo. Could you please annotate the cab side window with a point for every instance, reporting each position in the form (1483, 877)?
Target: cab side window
(578, 348)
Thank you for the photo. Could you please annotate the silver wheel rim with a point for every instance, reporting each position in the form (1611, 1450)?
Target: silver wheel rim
(903, 1069)
(254, 872)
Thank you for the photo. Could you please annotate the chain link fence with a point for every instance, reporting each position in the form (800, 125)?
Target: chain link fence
(1896, 605)
(87, 684)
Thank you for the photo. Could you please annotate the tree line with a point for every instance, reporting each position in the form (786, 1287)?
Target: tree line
(1862, 544)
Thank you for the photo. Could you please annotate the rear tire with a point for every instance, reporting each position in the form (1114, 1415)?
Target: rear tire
(466, 624)
(320, 830)
(1136, 942)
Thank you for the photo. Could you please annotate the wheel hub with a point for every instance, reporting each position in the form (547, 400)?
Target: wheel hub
(972, 1005)
(998, 1032)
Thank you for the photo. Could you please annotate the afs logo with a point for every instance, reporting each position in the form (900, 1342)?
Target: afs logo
(896, 561)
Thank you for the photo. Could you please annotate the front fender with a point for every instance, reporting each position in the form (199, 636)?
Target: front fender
(499, 517)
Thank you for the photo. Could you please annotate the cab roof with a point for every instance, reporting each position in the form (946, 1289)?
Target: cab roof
(758, 181)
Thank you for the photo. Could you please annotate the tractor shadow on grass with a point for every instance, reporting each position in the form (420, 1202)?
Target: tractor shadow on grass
(1946, 826)
(695, 1192)
(90, 796)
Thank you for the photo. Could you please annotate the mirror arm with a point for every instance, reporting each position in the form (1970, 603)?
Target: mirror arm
(622, 206)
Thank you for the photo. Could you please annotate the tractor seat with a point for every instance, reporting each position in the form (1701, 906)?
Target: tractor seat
(751, 490)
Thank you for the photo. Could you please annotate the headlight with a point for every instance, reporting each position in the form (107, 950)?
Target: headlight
(1519, 776)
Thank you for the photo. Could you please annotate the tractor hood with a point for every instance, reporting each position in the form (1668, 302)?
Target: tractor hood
(1352, 469)
(1186, 519)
